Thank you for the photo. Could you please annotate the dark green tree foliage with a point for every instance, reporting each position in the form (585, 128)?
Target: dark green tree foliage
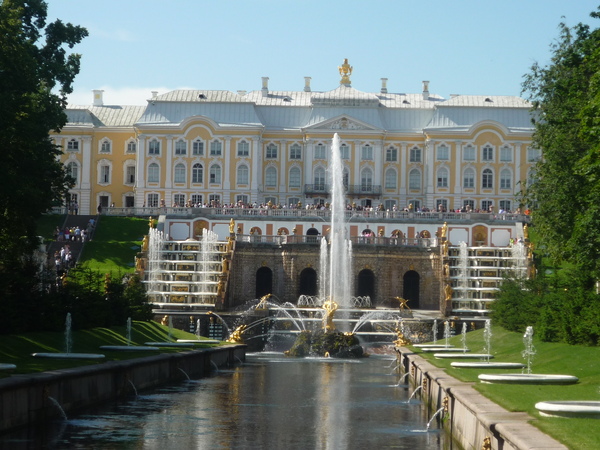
(565, 196)
(36, 74)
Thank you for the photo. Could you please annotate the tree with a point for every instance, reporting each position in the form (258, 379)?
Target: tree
(36, 75)
(565, 194)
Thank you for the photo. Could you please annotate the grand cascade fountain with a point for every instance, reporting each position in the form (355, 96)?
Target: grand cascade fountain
(419, 265)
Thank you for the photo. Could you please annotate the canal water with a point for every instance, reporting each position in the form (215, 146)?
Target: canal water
(269, 402)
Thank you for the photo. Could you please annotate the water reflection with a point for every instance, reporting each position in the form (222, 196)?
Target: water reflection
(269, 402)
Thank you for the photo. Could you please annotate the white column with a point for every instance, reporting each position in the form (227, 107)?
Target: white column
(309, 156)
(355, 158)
(403, 158)
(457, 175)
(378, 151)
(85, 202)
(517, 166)
(169, 168)
(140, 172)
(226, 166)
(283, 169)
(256, 166)
(429, 166)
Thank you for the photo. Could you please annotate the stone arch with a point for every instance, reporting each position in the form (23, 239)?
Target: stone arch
(308, 284)
(283, 231)
(256, 230)
(425, 235)
(313, 233)
(366, 283)
(264, 282)
(412, 288)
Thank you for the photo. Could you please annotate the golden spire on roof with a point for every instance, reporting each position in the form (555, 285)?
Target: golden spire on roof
(345, 71)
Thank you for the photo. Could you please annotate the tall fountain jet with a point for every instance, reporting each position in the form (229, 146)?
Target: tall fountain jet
(336, 260)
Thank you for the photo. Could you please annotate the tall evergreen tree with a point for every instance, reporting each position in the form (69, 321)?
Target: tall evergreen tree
(36, 74)
(565, 193)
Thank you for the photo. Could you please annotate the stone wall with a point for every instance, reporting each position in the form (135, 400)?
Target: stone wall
(388, 264)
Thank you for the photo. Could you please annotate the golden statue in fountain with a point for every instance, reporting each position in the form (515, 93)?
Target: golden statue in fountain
(330, 308)
(401, 340)
(236, 335)
(263, 305)
(403, 303)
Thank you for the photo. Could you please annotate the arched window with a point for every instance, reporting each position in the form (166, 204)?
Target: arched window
(271, 177)
(469, 178)
(390, 179)
(153, 173)
(487, 179)
(73, 170)
(243, 148)
(366, 180)
(179, 174)
(295, 179)
(295, 152)
(131, 147)
(215, 174)
(197, 173)
(180, 147)
(442, 177)
(319, 177)
(105, 146)
(242, 174)
(505, 179)
(414, 179)
(198, 147)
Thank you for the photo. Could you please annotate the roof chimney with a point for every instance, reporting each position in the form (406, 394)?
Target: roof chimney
(154, 94)
(307, 84)
(265, 86)
(98, 101)
(425, 90)
(384, 85)
(241, 92)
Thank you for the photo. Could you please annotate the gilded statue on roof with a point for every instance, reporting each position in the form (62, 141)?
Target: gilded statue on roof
(345, 71)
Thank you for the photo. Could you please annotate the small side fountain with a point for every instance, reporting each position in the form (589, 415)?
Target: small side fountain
(528, 377)
(68, 345)
(129, 347)
(442, 413)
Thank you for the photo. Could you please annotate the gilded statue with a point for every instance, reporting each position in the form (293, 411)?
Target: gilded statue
(526, 231)
(444, 230)
(236, 336)
(263, 303)
(330, 308)
(145, 243)
(445, 248)
(448, 291)
(231, 226)
(403, 303)
(401, 340)
(446, 270)
(345, 71)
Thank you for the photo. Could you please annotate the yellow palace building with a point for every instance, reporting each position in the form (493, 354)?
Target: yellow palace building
(220, 147)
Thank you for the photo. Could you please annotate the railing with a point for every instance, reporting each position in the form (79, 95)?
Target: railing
(353, 189)
(356, 240)
(351, 215)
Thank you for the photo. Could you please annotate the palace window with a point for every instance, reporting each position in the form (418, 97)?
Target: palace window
(390, 179)
(197, 173)
(243, 148)
(469, 178)
(415, 155)
(487, 179)
(505, 179)
(295, 152)
(153, 173)
(241, 198)
(505, 205)
(320, 151)
(366, 153)
(73, 171)
(130, 175)
(442, 177)
(487, 153)
(271, 151)
(443, 153)
(179, 174)
(345, 151)
(197, 199)
(154, 147)
(105, 147)
(469, 153)
(152, 200)
(131, 147)
(216, 148)
(105, 174)
(533, 154)
(391, 154)
(414, 179)
(73, 145)
(271, 177)
(366, 180)
(295, 179)
(180, 147)
(179, 199)
(215, 174)
(242, 174)
(506, 154)
(198, 148)
(319, 178)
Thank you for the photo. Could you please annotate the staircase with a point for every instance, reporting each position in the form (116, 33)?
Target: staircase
(76, 246)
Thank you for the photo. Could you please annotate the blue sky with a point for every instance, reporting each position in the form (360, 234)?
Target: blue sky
(477, 47)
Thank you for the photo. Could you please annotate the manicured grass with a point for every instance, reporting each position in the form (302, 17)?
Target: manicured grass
(17, 349)
(116, 242)
(582, 362)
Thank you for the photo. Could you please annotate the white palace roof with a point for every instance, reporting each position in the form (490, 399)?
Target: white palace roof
(297, 110)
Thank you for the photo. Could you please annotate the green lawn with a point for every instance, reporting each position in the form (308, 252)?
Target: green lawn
(550, 358)
(115, 243)
(17, 349)
(48, 223)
